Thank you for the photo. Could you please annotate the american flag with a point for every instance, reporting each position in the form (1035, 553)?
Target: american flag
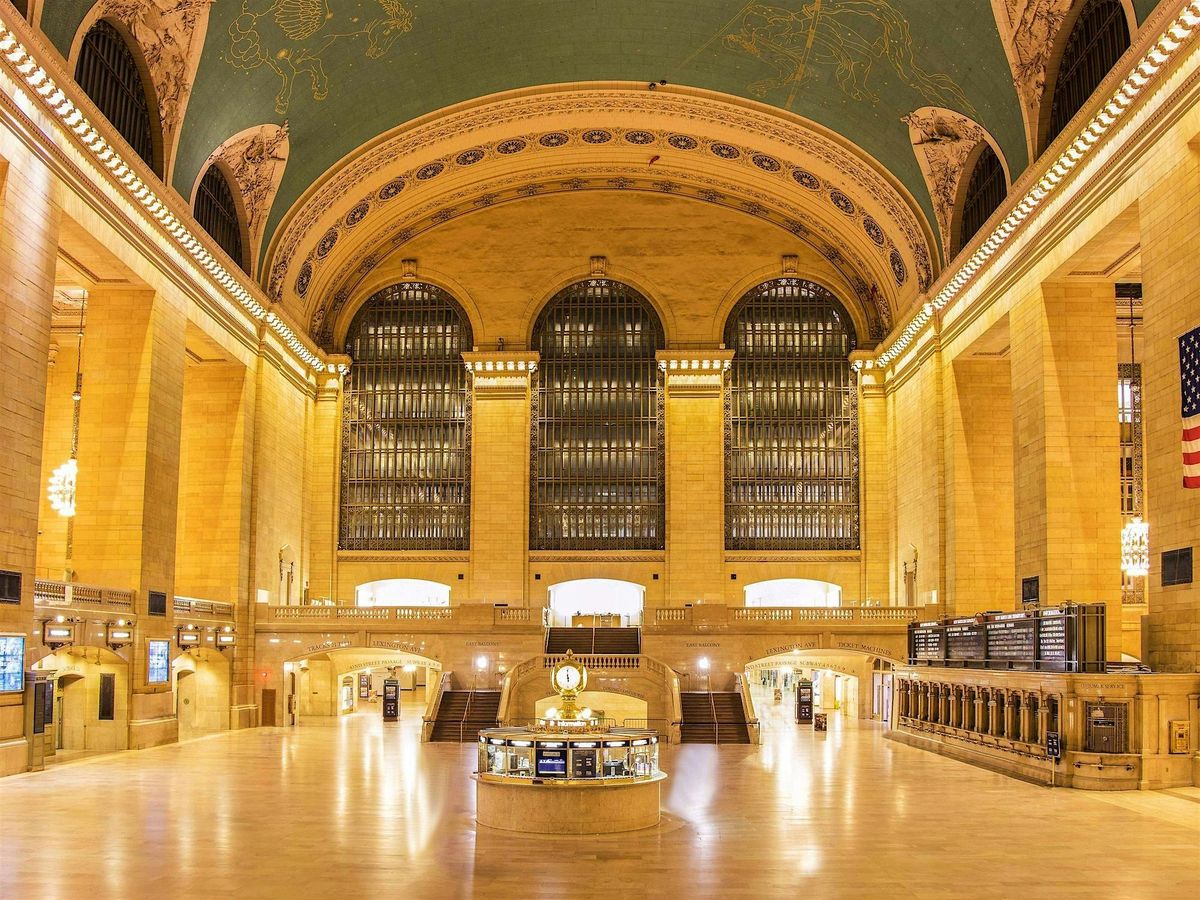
(1189, 376)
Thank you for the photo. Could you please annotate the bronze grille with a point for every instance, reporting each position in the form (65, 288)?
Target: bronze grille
(792, 432)
(216, 211)
(108, 74)
(597, 466)
(1100, 36)
(406, 440)
(985, 192)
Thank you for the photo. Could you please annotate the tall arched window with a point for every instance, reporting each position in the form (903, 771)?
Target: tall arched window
(597, 467)
(108, 74)
(1099, 37)
(985, 192)
(406, 437)
(216, 211)
(792, 455)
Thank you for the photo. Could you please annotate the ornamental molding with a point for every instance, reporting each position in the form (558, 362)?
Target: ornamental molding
(861, 275)
(701, 128)
(944, 142)
(255, 160)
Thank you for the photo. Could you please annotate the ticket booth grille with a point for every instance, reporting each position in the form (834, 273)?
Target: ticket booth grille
(1107, 728)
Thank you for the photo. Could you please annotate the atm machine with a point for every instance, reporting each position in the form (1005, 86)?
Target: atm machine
(804, 702)
(391, 700)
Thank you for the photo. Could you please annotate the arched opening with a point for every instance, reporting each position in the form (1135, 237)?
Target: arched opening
(402, 592)
(597, 462)
(793, 592)
(1093, 45)
(791, 473)
(216, 209)
(406, 436)
(91, 700)
(201, 692)
(323, 688)
(985, 191)
(597, 603)
(109, 74)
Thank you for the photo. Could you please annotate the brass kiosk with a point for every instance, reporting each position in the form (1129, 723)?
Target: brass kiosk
(568, 774)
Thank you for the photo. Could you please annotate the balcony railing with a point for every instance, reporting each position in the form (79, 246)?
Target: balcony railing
(82, 596)
(709, 615)
(193, 608)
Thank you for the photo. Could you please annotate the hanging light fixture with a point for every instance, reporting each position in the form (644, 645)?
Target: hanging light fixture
(61, 489)
(1135, 536)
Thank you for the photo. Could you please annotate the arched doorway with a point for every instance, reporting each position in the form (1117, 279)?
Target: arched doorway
(402, 592)
(597, 602)
(201, 678)
(325, 687)
(615, 708)
(793, 592)
(843, 683)
(91, 699)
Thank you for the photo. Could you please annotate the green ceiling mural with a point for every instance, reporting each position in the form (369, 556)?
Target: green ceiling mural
(343, 71)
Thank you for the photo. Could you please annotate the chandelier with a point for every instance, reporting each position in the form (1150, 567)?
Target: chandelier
(1135, 548)
(62, 488)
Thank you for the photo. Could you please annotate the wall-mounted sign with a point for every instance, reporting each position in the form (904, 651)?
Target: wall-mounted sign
(55, 634)
(226, 640)
(158, 668)
(12, 663)
(188, 638)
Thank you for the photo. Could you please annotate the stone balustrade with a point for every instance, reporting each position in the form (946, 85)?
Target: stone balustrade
(82, 596)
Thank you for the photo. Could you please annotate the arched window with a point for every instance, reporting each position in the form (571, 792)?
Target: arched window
(597, 467)
(406, 454)
(217, 213)
(986, 190)
(792, 456)
(108, 74)
(1100, 36)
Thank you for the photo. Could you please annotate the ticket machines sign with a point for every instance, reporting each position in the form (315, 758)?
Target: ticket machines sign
(391, 700)
(804, 702)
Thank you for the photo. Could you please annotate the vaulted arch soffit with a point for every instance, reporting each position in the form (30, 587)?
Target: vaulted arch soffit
(705, 147)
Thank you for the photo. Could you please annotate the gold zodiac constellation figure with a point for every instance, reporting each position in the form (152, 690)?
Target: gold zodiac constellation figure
(847, 34)
(290, 36)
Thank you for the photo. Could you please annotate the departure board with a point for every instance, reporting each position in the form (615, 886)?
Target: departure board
(1069, 638)
(965, 640)
(1012, 639)
(925, 642)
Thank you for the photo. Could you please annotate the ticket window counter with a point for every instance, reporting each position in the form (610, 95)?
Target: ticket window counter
(516, 762)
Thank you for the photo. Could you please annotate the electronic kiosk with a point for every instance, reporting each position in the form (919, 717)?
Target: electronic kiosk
(804, 702)
(391, 700)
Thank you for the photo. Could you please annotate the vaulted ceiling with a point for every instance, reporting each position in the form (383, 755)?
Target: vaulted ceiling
(342, 73)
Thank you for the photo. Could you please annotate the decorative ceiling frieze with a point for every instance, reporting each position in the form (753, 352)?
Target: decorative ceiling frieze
(1028, 30)
(944, 142)
(255, 159)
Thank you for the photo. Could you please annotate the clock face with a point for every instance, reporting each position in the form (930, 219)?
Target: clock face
(567, 678)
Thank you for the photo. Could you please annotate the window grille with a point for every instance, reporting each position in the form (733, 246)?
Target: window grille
(792, 422)
(597, 466)
(406, 431)
(985, 192)
(108, 74)
(216, 211)
(1100, 36)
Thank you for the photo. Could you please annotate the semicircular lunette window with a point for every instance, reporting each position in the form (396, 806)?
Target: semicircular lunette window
(597, 463)
(109, 75)
(1099, 37)
(216, 211)
(985, 192)
(791, 473)
(406, 437)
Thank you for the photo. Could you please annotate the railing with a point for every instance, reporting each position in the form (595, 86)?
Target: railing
(679, 615)
(359, 613)
(512, 614)
(207, 609)
(718, 615)
(763, 614)
(433, 702)
(59, 593)
(596, 661)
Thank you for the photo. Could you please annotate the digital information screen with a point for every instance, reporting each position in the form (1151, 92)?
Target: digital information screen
(965, 640)
(1012, 639)
(926, 641)
(1052, 638)
(1059, 639)
(158, 668)
(12, 663)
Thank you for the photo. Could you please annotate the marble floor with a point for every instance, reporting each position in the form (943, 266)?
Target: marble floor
(363, 810)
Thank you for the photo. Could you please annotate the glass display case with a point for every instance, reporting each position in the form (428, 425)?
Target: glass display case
(546, 757)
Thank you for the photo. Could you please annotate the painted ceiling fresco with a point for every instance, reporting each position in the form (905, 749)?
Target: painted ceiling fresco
(341, 72)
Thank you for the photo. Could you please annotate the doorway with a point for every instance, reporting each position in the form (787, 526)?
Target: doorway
(793, 592)
(597, 603)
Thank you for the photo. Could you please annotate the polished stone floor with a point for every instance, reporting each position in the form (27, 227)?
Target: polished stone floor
(357, 809)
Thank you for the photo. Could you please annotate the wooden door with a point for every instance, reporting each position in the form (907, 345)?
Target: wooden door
(267, 717)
